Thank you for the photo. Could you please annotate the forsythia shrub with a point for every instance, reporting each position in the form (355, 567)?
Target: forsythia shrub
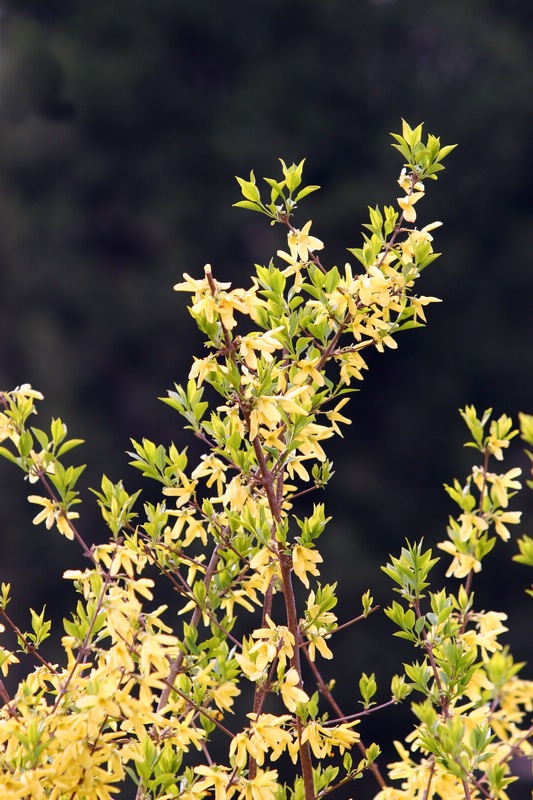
(138, 700)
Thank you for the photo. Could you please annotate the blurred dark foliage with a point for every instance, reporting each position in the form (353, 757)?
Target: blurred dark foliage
(122, 126)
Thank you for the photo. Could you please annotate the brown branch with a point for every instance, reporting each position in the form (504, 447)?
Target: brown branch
(30, 647)
(325, 691)
(176, 664)
(55, 499)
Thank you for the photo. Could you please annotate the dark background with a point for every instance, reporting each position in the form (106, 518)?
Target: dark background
(122, 126)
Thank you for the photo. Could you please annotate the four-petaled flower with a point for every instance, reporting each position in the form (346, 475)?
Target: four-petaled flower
(301, 243)
(407, 205)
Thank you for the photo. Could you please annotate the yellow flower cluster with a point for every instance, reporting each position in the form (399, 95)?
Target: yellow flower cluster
(464, 742)
(77, 726)
(212, 591)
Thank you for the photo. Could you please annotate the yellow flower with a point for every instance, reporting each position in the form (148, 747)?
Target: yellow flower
(117, 557)
(266, 566)
(405, 181)
(265, 343)
(237, 494)
(501, 483)
(183, 492)
(499, 435)
(374, 288)
(268, 735)
(345, 297)
(6, 658)
(309, 438)
(294, 466)
(462, 564)
(202, 367)
(352, 364)
(318, 625)
(509, 517)
(267, 408)
(193, 285)
(48, 514)
(52, 513)
(212, 468)
(335, 417)
(25, 390)
(223, 695)
(317, 642)
(227, 303)
(469, 522)
(381, 334)
(217, 777)
(306, 371)
(418, 303)
(291, 692)
(479, 683)
(297, 400)
(279, 636)
(238, 750)
(8, 429)
(274, 438)
(211, 300)
(489, 625)
(305, 560)
(301, 243)
(265, 413)
(322, 739)
(255, 658)
(262, 787)
(417, 238)
(406, 204)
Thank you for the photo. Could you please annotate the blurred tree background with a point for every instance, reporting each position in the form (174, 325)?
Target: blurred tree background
(122, 125)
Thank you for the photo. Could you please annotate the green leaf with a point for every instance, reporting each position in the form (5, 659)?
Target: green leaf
(250, 206)
(9, 456)
(249, 189)
(68, 445)
(25, 443)
(304, 192)
(368, 688)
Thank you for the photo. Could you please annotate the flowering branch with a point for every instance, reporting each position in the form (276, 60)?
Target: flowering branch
(143, 685)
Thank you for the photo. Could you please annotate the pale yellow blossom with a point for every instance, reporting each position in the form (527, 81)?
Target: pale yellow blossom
(6, 658)
(52, 513)
(322, 739)
(305, 371)
(418, 303)
(263, 787)
(416, 239)
(291, 691)
(309, 439)
(214, 469)
(501, 484)
(374, 288)
(462, 564)
(279, 636)
(407, 182)
(301, 243)
(264, 343)
(304, 560)
(216, 777)
(223, 695)
(334, 416)
(198, 285)
(504, 518)
(489, 627)
(407, 205)
(471, 524)
(25, 390)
